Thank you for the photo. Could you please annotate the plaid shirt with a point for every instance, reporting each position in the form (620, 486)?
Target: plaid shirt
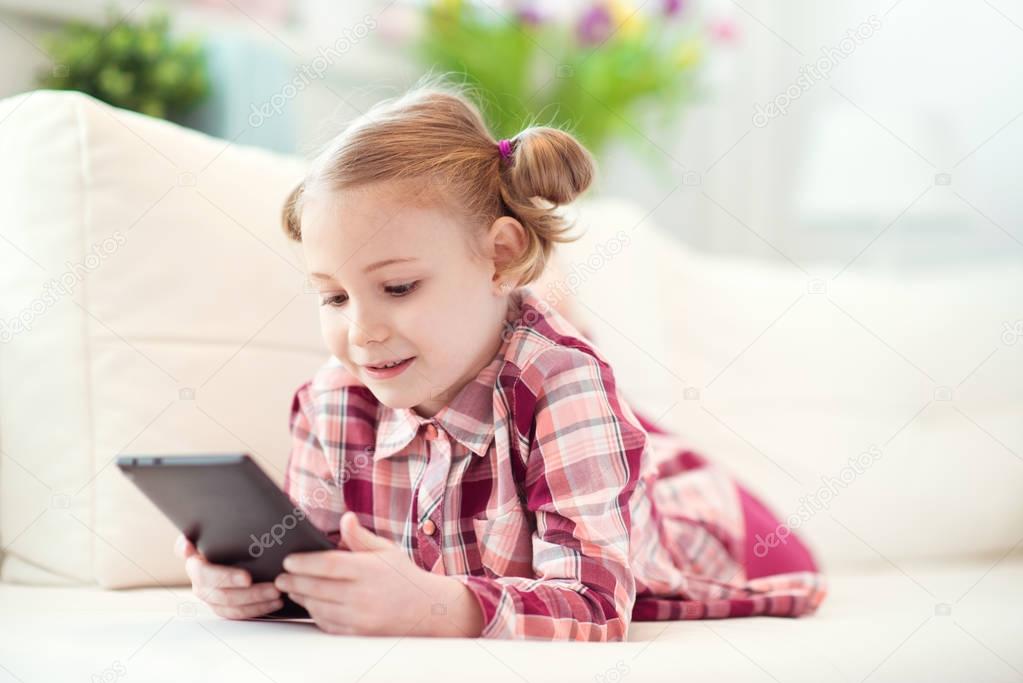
(540, 490)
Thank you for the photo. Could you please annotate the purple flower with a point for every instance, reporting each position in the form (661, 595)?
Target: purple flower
(595, 26)
(529, 14)
(672, 7)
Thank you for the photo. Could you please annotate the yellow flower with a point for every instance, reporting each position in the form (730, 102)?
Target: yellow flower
(688, 54)
(452, 6)
(631, 22)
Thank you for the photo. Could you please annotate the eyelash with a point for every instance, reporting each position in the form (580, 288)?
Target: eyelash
(404, 290)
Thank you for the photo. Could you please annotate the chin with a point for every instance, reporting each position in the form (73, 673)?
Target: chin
(392, 400)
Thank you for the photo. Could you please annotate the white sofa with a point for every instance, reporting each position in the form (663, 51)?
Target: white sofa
(182, 324)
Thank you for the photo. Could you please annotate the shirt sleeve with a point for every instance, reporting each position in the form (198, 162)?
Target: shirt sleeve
(308, 478)
(582, 467)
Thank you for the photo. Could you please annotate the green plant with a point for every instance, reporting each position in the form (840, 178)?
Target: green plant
(136, 66)
(589, 75)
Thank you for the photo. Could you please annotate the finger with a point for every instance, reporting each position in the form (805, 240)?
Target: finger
(183, 548)
(222, 575)
(329, 617)
(321, 610)
(193, 567)
(248, 611)
(334, 628)
(330, 564)
(233, 597)
(326, 589)
(324, 624)
(358, 537)
(207, 575)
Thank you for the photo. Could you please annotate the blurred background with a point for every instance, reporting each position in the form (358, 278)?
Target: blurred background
(877, 135)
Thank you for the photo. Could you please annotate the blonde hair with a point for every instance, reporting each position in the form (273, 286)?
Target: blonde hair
(434, 137)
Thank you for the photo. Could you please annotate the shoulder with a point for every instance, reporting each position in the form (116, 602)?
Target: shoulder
(544, 343)
(550, 363)
(553, 362)
(567, 386)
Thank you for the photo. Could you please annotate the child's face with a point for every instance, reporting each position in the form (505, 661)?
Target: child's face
(441, 308)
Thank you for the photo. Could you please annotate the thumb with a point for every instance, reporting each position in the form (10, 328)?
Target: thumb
(183, 548)
(358, 537)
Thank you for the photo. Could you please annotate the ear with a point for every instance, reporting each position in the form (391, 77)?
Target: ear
(506, 240)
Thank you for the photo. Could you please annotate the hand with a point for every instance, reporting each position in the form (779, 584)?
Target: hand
(226, 589)
(374, 588)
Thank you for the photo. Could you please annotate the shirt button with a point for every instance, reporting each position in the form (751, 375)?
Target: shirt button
(431, 432)
(429, 527)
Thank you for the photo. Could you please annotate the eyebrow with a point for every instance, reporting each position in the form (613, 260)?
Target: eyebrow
(371, 267)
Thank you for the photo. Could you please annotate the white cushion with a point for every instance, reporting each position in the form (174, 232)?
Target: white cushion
(759, 370)
(181, 281)
(884, 626)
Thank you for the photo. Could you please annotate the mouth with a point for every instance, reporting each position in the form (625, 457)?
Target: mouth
(389, 369)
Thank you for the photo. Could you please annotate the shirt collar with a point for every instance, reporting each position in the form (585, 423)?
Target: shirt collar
(468, 417)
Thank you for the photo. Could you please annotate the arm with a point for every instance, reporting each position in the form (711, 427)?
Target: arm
(383, 591)
(582, 467)
(308, 478)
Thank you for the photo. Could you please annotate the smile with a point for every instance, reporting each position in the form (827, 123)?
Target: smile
(388, 370)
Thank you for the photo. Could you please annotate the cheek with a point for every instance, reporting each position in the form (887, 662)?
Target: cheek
(450, 329)
(334, 329)
(419, 321)
(427, 328)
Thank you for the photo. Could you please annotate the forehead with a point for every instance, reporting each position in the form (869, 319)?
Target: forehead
(343, 232)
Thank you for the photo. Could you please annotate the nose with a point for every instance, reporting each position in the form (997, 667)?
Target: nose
(366, 326)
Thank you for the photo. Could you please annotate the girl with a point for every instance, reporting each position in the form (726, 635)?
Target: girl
(466, 447)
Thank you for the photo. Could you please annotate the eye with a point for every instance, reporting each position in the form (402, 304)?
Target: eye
(403, 290)
(396, 291)
(332, 300)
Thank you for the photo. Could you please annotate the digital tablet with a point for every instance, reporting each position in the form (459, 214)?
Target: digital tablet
(231, 511)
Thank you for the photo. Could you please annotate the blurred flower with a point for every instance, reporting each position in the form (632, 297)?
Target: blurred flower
(723, 30)
(626, 19)
(672, 7)
(688, 54)
(650, 65)
(595, 26)
(529, 14)
(451, 6)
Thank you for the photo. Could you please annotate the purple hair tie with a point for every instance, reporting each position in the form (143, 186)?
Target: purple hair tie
(506, 148)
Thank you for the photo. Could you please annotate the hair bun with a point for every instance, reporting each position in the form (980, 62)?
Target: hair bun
(550, 164)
